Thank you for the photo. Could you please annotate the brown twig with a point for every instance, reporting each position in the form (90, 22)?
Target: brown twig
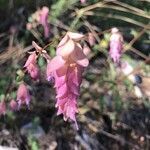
(137, 37)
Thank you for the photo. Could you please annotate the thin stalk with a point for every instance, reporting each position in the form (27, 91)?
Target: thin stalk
(130, 7)
(126, 19)
(125, 10)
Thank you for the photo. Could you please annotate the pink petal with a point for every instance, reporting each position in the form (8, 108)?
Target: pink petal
(74, 89)
(60, 102)
(66, 49)
(31, 59)
(37, 47)
(62, 71)
(33, 71)
(44, 15)
(72, 76)
(23, 95)
(61, 91)
(75, 36)
(86, 50)
(56, 63)
(59, 81)
(79, 57)
(61, 44)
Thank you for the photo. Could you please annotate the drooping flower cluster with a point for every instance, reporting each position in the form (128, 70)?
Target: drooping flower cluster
(67, 68)
(40, 17)
(23, 96)
(31, 66)
(116, 45)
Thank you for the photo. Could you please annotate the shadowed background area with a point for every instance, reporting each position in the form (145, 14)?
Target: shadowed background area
(114, 102)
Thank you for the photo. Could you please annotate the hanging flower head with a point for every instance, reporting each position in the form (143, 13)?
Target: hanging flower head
(116, 45)
(23, 96)
(67, 68)
(44, 20)
(32, 67)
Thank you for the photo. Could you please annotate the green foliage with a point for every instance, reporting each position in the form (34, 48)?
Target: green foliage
(41, 62)
(59, 7)
(33, 143)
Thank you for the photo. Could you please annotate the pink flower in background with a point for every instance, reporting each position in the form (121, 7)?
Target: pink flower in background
(127, 69)
(31, 59)
(116, 45)
(91, 39)
(23, 96)
(32, 67)
(33, 71)
(83, 1)
(67, 68)
(2, 108)
(44, 20)
(86, 50)
(13, 105)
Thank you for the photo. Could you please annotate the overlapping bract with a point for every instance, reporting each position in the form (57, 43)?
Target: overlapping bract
(116, 45)
(67, 68)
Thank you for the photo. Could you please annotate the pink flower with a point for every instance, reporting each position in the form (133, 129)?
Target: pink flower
(44, 20)
(67, 68)
(116, 45)
(91, 39)
(83, 1)
(31, 66)
(86, 50)
(23, 96)
(2, 108)
(13, 105)
(127, 70)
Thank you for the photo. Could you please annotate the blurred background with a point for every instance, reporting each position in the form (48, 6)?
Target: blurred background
(114, 111)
